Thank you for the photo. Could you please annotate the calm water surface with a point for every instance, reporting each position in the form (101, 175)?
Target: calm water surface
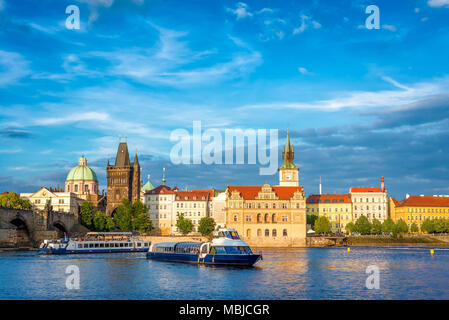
(312, 273)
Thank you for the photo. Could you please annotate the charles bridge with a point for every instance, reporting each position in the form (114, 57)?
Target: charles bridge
(26, 228)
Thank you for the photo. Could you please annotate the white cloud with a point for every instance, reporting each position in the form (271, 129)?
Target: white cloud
(303, 70)
(72, 118)
(366, 99)
(13, 67)
(241, 11)
(389, 27)
(306, 22)
(438, 3)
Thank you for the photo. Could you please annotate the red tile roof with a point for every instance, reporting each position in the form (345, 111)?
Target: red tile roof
(194, 195)
(161, 189)
(396, 202)
(425, 201)
(250, 192)
(365, 190)
(331, 197)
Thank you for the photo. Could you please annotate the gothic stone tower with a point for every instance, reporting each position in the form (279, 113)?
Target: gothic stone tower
(123, 179)
(288, 172)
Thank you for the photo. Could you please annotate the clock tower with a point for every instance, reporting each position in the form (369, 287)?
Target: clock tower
(288, 172)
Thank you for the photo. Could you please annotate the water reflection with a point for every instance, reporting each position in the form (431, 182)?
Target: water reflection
(314, 273)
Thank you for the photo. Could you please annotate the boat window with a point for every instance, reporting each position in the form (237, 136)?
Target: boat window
(101, 245)
(80, 245)
(232, 250)
(220, 250)
(96, 245)
(121, 245)
(91, 245)
(212, 250)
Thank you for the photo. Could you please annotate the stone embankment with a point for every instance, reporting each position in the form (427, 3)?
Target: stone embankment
(405, 240)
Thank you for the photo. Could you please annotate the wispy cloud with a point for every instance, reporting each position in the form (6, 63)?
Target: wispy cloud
(241, 10)
(306, 22)
(13, 67)
(438, 3)
(366, 99)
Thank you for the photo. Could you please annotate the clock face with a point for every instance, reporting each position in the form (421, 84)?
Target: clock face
(288, 176)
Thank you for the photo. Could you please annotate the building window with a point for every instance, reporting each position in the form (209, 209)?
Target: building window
(235, 217)
(273, 218)
(267, 233)
(274, 233)
(248, 233)
(258, 218)
(284, 232)
(76, 188)
(259, 232)
(266, 218)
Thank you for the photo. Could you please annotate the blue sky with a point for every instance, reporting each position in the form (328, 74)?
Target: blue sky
(359, 103)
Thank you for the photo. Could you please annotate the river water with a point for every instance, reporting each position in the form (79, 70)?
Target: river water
(309, 273)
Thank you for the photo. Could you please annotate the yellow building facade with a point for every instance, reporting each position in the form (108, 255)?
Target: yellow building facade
(336, 207)
(272, 216)
(416, 209)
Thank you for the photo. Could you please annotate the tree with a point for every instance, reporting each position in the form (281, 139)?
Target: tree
(140, 218)
(184, 225)
(123, 215)
(13, 200)
(142, 223)
(440, 225)
(428, 226)
(87, 215)
(350, 227)
(311, 218)
(363, 226)
(103, 223)
(400, 227)
(207, 225)
(376, 227)
(414, 228)
(388, 225)
(322, 225)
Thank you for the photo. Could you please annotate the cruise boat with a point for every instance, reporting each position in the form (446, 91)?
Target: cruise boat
(226, 248)
(96, 242)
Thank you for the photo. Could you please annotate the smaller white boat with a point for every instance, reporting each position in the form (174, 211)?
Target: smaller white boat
(96, 242)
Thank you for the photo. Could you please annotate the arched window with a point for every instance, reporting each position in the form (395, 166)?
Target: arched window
(284, 232)
(258, 218)
(267, 233)
(273, 218)
(248, 233)
(259, 232)
(235, 217)
(274, 233)
(266, 217)
(76, 188)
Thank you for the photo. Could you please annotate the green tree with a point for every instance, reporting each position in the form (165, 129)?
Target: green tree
(400, 227)
(311, 218)
(322, 225)
(376, 227)
(142, 223)
(103, 223)
(123, 217)
(439, 225)
(13, 200)
(363, 226)
(207, 225)
(428, 226)
(87, 215)
(388, 225)
(414, 228)
(350, 227)
(184, 225)
(140, 217)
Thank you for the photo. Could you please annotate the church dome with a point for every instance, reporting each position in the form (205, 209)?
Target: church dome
(82, 172)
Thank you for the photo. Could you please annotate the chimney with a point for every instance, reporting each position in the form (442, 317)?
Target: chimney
(382, 184)
(407, 196)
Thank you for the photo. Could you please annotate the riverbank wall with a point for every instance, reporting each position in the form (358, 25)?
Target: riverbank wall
(407, 240)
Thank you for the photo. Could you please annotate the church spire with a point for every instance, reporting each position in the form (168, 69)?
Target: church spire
(163, 177)
(288, 154)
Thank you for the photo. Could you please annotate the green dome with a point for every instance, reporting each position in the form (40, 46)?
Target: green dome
(148, 186)
(82, 172)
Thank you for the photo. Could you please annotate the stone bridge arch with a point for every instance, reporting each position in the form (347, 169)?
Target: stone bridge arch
(24, 236)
